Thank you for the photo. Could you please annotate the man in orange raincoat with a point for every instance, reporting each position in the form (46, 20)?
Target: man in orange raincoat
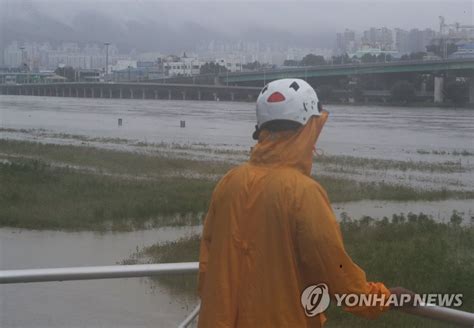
(270, 231)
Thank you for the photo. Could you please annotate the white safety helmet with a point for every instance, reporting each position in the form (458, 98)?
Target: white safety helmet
(287, 99)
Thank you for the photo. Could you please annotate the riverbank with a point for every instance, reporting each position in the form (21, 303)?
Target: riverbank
(49, 186)
(412, 251)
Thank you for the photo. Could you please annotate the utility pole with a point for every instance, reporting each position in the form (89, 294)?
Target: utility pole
(106, 60)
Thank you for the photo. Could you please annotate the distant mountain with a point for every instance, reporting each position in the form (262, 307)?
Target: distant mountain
(310, 39)
(24, 22)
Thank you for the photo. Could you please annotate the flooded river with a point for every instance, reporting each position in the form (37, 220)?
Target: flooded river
(388, 132)
(417, 134)
(131, 302)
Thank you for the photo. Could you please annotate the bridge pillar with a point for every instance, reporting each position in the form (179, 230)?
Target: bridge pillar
(438, 89)
(423, 87)
(199, 94)
(169, 94)
(156, 94)
(471, 90)
(121, 93)
(143, 94)
(184, 95)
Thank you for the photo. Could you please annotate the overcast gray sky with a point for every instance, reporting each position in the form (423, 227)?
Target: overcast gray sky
(186, 21)
(302, 14)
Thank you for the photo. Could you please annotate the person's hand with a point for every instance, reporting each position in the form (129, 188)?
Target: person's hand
(405, 297)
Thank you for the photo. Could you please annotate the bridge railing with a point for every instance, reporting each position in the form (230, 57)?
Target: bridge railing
(143, 270)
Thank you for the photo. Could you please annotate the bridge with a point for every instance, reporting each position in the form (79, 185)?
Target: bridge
(382, 76)
(437, 67)
(134, 91)
(245, 86)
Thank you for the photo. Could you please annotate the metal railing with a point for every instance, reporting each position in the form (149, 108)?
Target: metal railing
(95, 272)
(145, 270)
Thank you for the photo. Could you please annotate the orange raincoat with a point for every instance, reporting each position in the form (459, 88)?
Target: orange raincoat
(269, 233)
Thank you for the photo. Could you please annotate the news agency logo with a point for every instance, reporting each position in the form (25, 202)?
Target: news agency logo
(315, 299)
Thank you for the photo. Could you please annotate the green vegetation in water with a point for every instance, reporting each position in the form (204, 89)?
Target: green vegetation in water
(411, 251)
(341, 161)
(345, 190)
(113, 161)
(462, 152)
(36, 195)
(182, 250)
(47, 186)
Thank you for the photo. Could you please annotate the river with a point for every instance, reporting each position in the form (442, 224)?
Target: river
(371, 131)
(131, 302)
(367, 131)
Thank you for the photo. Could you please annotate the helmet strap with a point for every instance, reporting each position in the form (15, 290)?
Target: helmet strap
(256, 133)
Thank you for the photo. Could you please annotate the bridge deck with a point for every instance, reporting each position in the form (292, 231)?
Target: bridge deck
(434, 66)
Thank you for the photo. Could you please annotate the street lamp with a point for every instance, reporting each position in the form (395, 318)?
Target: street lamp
(106, 44)
(24, 65)
(22, 56)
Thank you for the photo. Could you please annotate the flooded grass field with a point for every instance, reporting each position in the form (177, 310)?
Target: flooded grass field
(440, 250)
(73, 181)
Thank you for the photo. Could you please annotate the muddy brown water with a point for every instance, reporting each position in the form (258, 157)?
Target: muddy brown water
(131, 302)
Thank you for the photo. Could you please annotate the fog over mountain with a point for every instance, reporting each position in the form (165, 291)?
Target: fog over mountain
(153, 25)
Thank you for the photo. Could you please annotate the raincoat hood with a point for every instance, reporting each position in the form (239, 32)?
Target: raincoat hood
(289, 148)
